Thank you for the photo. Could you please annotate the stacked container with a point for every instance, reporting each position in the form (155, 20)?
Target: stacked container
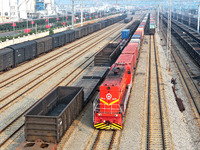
(151, 25)
(125, 33)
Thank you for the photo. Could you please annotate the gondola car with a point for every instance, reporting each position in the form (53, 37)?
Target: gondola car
(19, 53)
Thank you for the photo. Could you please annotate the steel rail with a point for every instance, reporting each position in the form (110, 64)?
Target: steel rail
(2, 143)
(159, 97)
(188, 88)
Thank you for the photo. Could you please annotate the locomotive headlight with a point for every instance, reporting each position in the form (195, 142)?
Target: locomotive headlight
(116, 115)
(99, 114)
(104, 121)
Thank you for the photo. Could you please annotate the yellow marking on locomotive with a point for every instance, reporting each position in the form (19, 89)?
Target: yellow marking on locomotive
(103, 101)
(117, 99)
(114, 102)
(101, 126)
(117, 125)
(113, 126)
(109, 103)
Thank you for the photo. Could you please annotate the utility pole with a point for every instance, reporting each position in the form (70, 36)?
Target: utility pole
(27, 15)
(158, 17)
(161, 23)
(182, 10)
(72, 14)
(2, 13)
(198, 17)
(48, 23)
(81, 13)
(169, 35)
(36, 28)
(189, 19)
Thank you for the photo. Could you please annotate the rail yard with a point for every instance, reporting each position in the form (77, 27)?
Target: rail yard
(110, 84)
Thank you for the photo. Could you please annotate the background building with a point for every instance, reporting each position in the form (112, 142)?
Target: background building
(25, 8)
(17, 10)
(8, 10)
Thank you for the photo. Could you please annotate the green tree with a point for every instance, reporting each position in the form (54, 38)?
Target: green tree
(51, 31)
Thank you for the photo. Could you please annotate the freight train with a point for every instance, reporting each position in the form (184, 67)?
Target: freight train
(128, 19)
(72, 100)
(49, 107)
(110, 105)
(152, 25)
(13, 55)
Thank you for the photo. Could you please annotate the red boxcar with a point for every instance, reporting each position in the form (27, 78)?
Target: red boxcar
(127, 59)
(143, 23)
(139, 32)
(110, 105)
(131, 48)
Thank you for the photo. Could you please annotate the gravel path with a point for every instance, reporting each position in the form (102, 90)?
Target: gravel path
(180, 130)
(132, 129)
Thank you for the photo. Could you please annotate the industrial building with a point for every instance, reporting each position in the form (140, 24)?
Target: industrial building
(16, 10)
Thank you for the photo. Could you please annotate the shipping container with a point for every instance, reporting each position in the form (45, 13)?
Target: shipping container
(136, 37)
(131, 48)
(52, 116)
(143, 23)
(6, 58)
(127, 59)
(125, 33)
(152, 26)
(136, 41)
(139, 32)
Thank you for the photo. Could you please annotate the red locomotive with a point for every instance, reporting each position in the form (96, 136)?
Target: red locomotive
(110, 106)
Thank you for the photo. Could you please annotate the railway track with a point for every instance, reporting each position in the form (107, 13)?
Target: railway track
(186, 75)
(102, 139)
(56, 55)
(157, 136)
(96, 133)
(15, 123)
(5, 102)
